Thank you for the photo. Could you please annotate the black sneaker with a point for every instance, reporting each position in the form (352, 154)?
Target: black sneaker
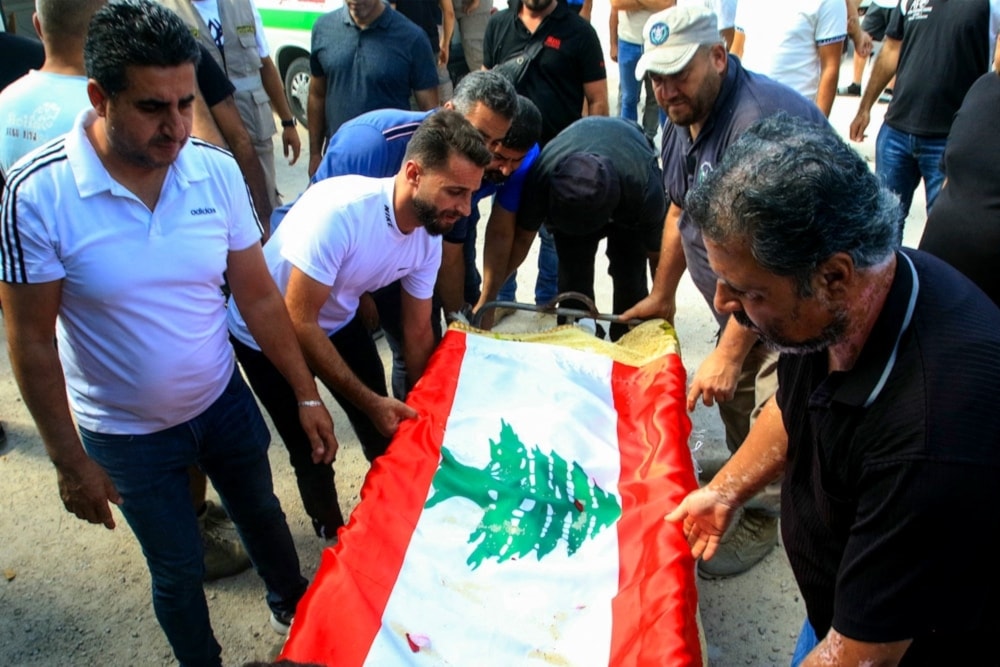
(282, 622)
(853, 90)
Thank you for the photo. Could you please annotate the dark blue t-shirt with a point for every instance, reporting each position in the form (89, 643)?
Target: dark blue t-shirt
(744, 98)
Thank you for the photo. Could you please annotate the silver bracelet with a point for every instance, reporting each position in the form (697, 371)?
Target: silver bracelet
(310, 404)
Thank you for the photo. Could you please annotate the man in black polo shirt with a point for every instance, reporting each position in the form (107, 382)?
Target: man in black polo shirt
(567, 71)
(885, 422)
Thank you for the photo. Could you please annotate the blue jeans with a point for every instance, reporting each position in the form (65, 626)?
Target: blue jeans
(806, 643)
(628, 91)
(228, 441)
(901, 160)
(547, 283)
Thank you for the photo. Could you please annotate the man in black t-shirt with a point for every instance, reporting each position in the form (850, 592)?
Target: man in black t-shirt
(599, 179)
(936, 50)
(885, 423)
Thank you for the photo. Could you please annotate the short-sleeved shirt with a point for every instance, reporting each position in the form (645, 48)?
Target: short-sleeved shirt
(342, 232)
(783, 38)
(929, 87)
(892, 473)
(744, 98)
(374, 68)
(374, 144)
(141, 330)
(571, 57)
(213, 83)
(641, 203)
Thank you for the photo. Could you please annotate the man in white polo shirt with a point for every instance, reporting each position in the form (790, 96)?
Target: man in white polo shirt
(345, 236)
(115, 238)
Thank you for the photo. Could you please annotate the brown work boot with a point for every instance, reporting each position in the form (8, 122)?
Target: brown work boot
(743, 546)
(223, 551)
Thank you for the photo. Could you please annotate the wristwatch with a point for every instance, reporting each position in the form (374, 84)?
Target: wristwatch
(288, 123)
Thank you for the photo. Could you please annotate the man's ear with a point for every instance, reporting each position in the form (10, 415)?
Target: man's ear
(98, 98)
(836, 275)
(413, 172)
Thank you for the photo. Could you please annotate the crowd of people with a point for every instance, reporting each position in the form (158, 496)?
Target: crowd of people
(852, 375)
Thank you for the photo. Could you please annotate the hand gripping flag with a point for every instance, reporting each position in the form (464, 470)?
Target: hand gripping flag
(519, 519)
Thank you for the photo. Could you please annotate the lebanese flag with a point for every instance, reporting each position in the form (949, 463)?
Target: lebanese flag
(518, 520)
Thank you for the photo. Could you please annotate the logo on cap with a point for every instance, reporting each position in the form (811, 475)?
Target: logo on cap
(659, 33)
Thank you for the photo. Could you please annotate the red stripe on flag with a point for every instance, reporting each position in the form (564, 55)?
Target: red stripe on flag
(655, 612)
(359, 573)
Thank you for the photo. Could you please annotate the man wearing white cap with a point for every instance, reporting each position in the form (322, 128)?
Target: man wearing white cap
(710, 100)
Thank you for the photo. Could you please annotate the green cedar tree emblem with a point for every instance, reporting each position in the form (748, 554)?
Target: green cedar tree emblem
(530, 500)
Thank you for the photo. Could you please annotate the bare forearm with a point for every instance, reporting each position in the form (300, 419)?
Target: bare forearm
(234, 132)
(882, 72)
(275, 90)
(759, 460)
(271, 327)
(672, 263)
(316, 111)
(326, 362)
(498, 240)
(450, 285)
(417, 348)
(40, 378)
(736, 341)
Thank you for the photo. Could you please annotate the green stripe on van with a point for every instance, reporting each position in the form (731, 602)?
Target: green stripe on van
(288, 20)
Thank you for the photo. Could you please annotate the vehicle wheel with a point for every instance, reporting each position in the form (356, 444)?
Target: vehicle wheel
(297, 88)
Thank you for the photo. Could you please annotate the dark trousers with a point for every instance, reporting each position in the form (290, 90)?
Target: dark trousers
(627, 261)
(315, 480)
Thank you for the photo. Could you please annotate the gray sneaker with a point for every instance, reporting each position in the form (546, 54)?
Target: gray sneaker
(224, 552)
(743, 546)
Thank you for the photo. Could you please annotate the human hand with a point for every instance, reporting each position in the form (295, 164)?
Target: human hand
(614, 52)
(859, 125)
(443, 54)
(469, 6)
(705, 517)
(388, 413)
(715, 380)
(290, 141)
(862, 43)
(314, 162)
(653, 306)
(86, 490)
(318, 426)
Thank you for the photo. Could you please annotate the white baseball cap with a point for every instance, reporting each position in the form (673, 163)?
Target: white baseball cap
(671, 37)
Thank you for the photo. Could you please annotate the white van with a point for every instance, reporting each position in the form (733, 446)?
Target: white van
(288, 28)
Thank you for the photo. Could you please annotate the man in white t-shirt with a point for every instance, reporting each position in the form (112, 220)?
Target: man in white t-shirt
(115, 239)
(795, 42)
(345, 236)
(42, 104)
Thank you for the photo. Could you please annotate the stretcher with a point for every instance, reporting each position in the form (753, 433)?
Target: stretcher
(519, 519)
